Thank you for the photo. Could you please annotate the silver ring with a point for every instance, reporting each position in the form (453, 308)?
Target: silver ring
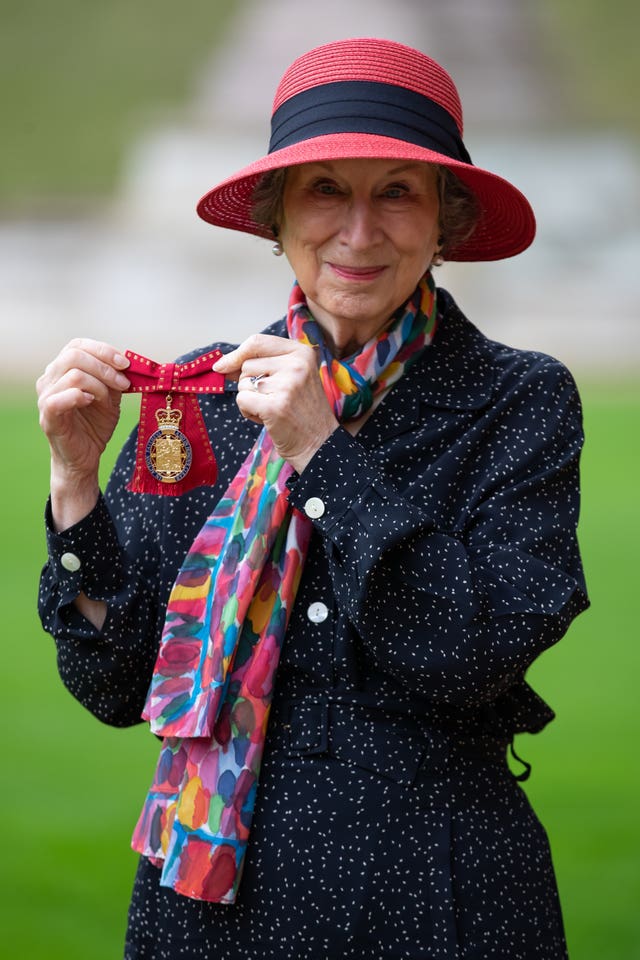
(256, 380)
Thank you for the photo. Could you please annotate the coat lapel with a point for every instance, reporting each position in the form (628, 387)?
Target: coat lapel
(456, 372)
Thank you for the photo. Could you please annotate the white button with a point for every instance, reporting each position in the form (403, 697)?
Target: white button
(70, 562)
(317, 612)
(314, 507)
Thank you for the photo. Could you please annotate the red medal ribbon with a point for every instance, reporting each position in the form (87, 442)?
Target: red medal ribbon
(174, 452)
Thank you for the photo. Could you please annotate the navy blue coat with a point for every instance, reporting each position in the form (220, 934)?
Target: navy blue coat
(387, 823)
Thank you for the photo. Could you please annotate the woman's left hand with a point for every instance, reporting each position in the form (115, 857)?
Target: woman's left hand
(279, 387)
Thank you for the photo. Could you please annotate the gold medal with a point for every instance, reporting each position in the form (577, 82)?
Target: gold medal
(167, 463)
(168, 453)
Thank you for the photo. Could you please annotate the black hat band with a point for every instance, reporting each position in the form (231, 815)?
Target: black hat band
(364, 106)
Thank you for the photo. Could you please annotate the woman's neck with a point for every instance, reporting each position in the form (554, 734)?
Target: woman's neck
(344, 336)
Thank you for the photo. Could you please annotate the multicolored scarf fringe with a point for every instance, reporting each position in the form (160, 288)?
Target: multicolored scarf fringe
(226, 619)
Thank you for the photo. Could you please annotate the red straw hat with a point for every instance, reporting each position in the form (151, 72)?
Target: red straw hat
(384, 100)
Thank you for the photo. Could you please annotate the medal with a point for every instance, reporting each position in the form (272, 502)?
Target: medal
(168, 453)
(173, 453)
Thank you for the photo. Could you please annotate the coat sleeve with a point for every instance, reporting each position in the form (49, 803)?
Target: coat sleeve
(117, 555)
(458, 611)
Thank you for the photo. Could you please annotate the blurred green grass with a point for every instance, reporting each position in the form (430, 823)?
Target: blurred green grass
(80, 78)
(595, 59)
(73, 787)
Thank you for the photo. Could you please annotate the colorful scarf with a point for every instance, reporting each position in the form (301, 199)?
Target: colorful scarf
(226, 619)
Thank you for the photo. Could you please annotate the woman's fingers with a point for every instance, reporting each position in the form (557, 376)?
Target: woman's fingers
(83, 371)
(295, 365)
(79, 403)
(263, 355)
(279, 386)
(283, 391)
(61, 402)
(256, 347)
(298, 420)
(291, 374)
(85, 358)
(99, 349)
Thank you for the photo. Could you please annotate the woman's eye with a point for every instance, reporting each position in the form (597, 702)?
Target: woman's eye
(395, 191)
(326, 187)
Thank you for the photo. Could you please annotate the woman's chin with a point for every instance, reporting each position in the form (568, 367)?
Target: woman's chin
(352, 308)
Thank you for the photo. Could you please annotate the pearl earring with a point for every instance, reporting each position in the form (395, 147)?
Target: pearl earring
(276, 249)
(437, 260)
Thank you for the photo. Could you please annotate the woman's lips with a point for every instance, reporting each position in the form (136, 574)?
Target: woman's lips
(357, 273)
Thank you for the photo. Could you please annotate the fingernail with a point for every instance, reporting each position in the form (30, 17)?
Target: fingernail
(120, 361)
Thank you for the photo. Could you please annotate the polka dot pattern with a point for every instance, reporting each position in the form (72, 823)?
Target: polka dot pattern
(387, 822)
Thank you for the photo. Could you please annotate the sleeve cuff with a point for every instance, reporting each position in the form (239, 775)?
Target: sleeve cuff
(86, 556)
(332, 481)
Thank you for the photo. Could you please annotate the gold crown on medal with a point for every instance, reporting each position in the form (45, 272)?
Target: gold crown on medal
(167, 418)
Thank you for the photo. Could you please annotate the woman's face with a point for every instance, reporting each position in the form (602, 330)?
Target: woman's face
(359, 234)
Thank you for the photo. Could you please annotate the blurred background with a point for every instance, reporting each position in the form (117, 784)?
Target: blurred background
(116, 118)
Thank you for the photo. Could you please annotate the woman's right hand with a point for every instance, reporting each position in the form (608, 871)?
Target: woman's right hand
(79, 402)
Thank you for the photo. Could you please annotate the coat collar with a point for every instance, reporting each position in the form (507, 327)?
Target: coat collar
(456, 372)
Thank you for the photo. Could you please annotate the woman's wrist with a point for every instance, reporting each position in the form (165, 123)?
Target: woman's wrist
(303, 458)
(73, 497)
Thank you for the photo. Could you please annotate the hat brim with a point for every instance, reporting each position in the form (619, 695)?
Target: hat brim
(506, 225)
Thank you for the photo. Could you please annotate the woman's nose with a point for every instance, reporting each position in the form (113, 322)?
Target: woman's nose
(360, 228)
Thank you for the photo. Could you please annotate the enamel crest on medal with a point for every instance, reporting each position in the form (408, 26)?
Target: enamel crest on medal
(168, 452)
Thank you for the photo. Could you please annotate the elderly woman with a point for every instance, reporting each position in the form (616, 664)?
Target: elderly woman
(392, 527)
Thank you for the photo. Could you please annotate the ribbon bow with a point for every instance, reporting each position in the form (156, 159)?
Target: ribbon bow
(173, 454)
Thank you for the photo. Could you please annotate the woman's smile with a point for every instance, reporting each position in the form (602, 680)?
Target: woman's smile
(357, 274)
